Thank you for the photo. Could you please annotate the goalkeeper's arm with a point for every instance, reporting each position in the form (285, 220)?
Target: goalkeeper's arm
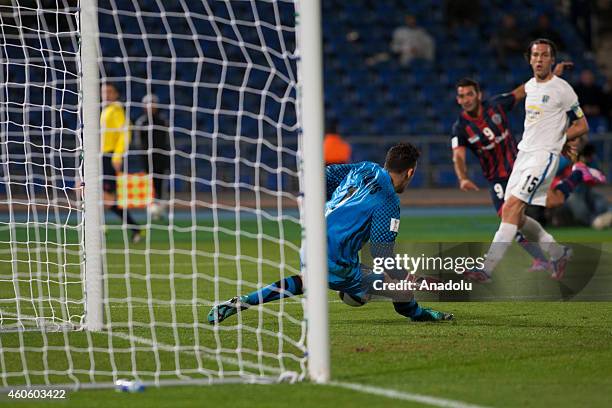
(383, 232)
(384, 228)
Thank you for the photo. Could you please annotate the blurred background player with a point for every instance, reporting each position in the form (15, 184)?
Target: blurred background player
(336, 150)
(152, 136)
(483, 128)
(363, 205)
(585, 206)
(114, 128)
(552, 117)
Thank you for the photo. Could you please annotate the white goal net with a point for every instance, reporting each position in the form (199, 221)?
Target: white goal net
(206, 189)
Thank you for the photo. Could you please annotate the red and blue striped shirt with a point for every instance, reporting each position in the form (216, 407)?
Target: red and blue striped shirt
(488, 137)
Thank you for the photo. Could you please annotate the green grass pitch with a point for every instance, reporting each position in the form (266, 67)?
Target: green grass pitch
(493, 354)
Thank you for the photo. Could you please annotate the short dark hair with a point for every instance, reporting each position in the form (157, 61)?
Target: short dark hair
(112, 85)
(553, 47)
(468, 82)
(401, 157)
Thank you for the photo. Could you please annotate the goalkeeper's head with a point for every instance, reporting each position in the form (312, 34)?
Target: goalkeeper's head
(401, 163)
(109, 92)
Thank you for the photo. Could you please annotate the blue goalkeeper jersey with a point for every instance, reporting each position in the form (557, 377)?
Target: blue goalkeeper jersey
(362, 206)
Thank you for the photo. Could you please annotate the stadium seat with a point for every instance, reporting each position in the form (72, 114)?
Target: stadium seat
(380, 99)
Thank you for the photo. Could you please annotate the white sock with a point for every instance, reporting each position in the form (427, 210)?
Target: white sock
(535, 233)
(501, 242)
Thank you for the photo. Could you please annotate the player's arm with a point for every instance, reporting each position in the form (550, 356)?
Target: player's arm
(383, 232)
(334, 174)
(577, 129)
(518, 93)
(579, 125)
(459, 161)
(460, 166)
(562, 66)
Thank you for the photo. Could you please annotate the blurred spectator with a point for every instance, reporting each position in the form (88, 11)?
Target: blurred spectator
(152, 135)
(462, 13)
(411, 41)
(591, 96)
(508, 40)
(543, 29)
(336, 150)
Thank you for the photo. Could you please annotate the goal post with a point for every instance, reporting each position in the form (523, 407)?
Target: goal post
(311, 101)
(92, 188)
(237, 87)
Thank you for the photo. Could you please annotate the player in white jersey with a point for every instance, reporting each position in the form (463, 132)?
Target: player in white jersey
(552, 116)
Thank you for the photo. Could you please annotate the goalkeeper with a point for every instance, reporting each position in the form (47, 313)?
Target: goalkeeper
(115, 141)
(363, 205)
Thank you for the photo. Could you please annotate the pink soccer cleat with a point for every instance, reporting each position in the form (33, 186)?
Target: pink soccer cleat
(590, 175)
(559, 265)
(477, 275)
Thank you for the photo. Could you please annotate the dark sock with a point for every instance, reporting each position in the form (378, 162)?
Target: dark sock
(288, 287)
(409, 309)
(567, 185)
(532, 248)
(128, 218)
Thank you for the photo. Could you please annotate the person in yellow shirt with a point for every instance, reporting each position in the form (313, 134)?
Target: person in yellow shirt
(114, 127)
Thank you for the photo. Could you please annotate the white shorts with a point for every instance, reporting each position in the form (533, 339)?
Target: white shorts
(531, 177)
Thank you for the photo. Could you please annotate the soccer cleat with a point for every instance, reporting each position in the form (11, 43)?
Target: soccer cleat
(222, 311)
(477, 275)
(559, 265)
(539, 265)
(430, 315)
(590, 176)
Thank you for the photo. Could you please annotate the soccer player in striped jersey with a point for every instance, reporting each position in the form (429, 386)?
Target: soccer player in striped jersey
(114, 127)
(552, 117)
(483, 128)
(363, 206)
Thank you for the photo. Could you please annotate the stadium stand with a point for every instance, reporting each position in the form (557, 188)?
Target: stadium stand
(365, 99)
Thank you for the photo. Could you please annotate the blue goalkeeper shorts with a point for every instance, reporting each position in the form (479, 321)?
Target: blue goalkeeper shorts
(356, 280)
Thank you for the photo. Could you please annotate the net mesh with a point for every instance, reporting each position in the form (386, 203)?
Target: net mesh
(216, 140)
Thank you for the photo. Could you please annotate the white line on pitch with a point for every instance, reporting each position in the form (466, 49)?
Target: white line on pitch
(368, 389)
(405, 396)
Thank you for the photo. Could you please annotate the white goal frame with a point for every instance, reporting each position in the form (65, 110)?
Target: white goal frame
(311, 114)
